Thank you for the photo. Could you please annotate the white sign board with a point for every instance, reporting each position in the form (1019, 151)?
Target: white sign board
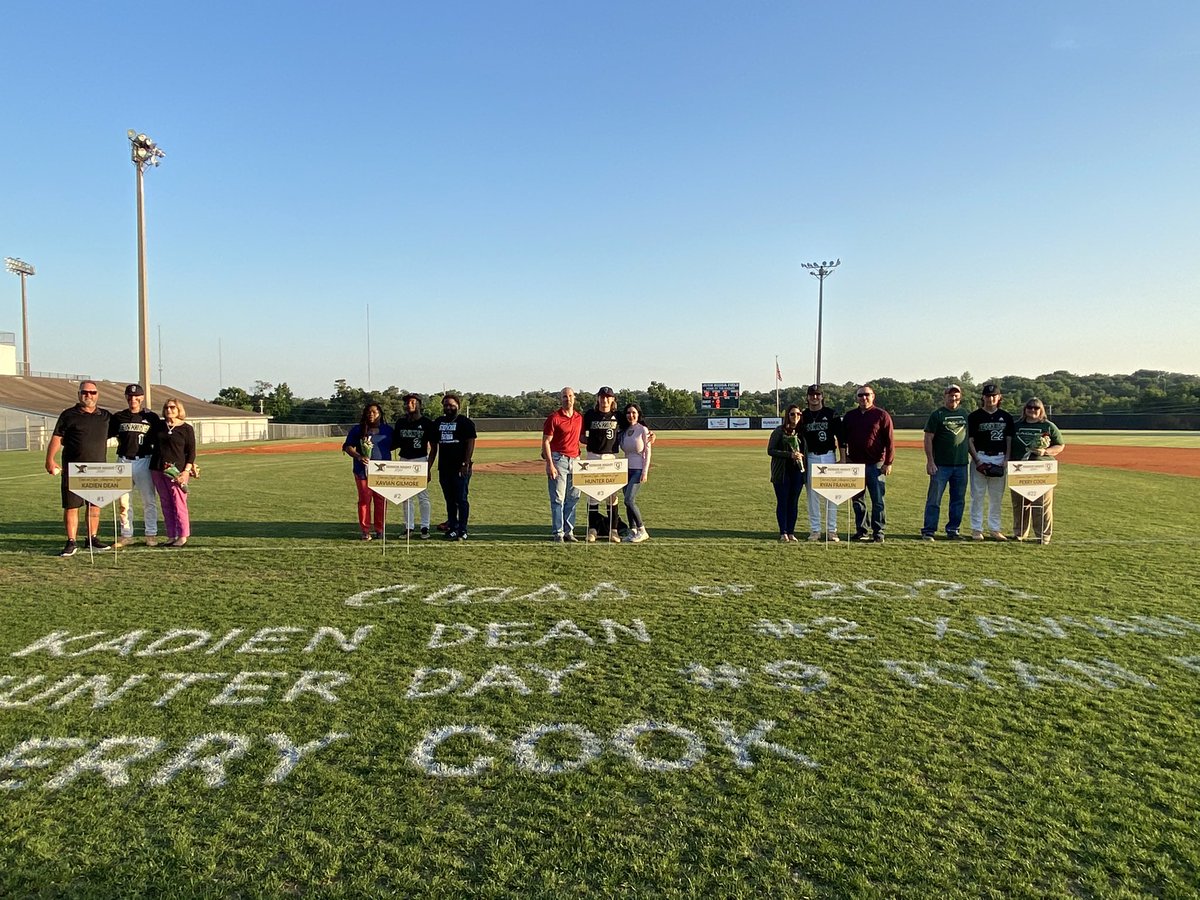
(600, 478)
(397, 480)
(1032, 478)
(739, 422)
(837, 482)
(99, 483)
(772, 421)
(718, 423)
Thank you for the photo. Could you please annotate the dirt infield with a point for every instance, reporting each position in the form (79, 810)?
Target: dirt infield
(1167, 460)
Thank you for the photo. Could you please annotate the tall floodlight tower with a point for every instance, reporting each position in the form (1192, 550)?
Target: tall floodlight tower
(144, 152)
(820, 271)
(24, 269)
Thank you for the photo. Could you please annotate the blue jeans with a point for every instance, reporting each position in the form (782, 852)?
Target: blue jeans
(563, 494)
(876, 488)
(632, 486)
(787, 498)
(454, 489)
(956, 477)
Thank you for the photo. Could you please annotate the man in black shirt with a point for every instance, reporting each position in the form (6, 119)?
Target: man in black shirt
(989, 438)
(821, 430)
(82, 434)
(454, 449)
(412, 437)
(602, 435)
(133, 428)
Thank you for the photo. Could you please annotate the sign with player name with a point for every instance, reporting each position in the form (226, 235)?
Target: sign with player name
(99, 483)
(397, 480)
(837, 482)
(1032, 478)
(601, 478)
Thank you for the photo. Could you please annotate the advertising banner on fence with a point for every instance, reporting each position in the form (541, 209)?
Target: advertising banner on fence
(739, 422)
(771, 422)
(718, 423)
(99, 483)
(1032, 478)
(601, 478)
(397, 480)
(837, 482)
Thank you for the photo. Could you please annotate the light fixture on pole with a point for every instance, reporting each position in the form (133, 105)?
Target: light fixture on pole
(22, 268)
(820, 271)
(144, 152)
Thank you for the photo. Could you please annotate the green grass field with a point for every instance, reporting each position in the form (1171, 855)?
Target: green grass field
(282, 710)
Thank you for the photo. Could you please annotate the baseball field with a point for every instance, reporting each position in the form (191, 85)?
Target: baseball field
(280, 709)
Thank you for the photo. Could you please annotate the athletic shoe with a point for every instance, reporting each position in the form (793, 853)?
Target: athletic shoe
(452, 535)
(379, 535)
(638, 536)
(833, 537)
(556, 538)
(424, 532)
(70, 548)
(953, 536)
(878, 539)
(569, 537)
(591, 536)
(96, 545)
(927, 537)
(998, 536)
(859, 536)
(977, 535)
(814, 537)
(462, 535)
(365, 536)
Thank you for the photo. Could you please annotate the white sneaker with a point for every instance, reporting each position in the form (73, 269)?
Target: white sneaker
(639, 536)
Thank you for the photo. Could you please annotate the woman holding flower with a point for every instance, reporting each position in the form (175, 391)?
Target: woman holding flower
(370, 439)
(1035, 437)
(172, 465)
(787, 471)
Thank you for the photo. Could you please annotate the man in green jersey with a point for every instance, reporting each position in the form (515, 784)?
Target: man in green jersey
(946, 460)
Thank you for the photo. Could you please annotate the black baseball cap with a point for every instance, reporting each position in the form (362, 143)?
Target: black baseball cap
(407, 397)
(605, 392)
(134, 390)
(815, 389)
(990, 390)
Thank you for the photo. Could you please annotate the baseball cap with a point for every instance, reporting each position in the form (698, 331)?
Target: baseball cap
(134, 390)
(953, 387)
(406, 397)
(990, 390)
(605, 392)
(815, 389)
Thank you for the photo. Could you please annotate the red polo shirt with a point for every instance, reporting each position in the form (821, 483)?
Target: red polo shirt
(563, 432)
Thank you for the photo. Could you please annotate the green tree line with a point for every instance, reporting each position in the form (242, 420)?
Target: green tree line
(1143, 391)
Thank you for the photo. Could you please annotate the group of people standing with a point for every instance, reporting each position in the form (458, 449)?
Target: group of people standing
(448, 440)
(161, 452)
(958, 447)
(602, 432)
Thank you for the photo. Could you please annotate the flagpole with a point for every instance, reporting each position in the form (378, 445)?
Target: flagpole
(777, 380)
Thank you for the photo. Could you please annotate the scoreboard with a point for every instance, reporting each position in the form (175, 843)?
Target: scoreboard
(720, 395)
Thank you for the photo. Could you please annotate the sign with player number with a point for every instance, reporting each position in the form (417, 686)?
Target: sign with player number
(837, 482)
(99, 483)
(1032, 478)
(397, 480)
(600, 478)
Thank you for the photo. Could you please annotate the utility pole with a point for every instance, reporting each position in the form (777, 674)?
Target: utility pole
(23, 269)
(820, 271)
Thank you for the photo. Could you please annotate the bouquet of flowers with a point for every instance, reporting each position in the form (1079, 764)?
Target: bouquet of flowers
(174, 473)
(365, 446)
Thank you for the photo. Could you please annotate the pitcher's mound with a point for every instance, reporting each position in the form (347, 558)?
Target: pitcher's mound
(513, 467)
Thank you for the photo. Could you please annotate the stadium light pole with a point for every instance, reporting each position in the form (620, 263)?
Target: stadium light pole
(820, 271)
(144, 152)
(24, 269)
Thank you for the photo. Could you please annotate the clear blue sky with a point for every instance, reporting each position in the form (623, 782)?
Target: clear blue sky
(532, 194)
